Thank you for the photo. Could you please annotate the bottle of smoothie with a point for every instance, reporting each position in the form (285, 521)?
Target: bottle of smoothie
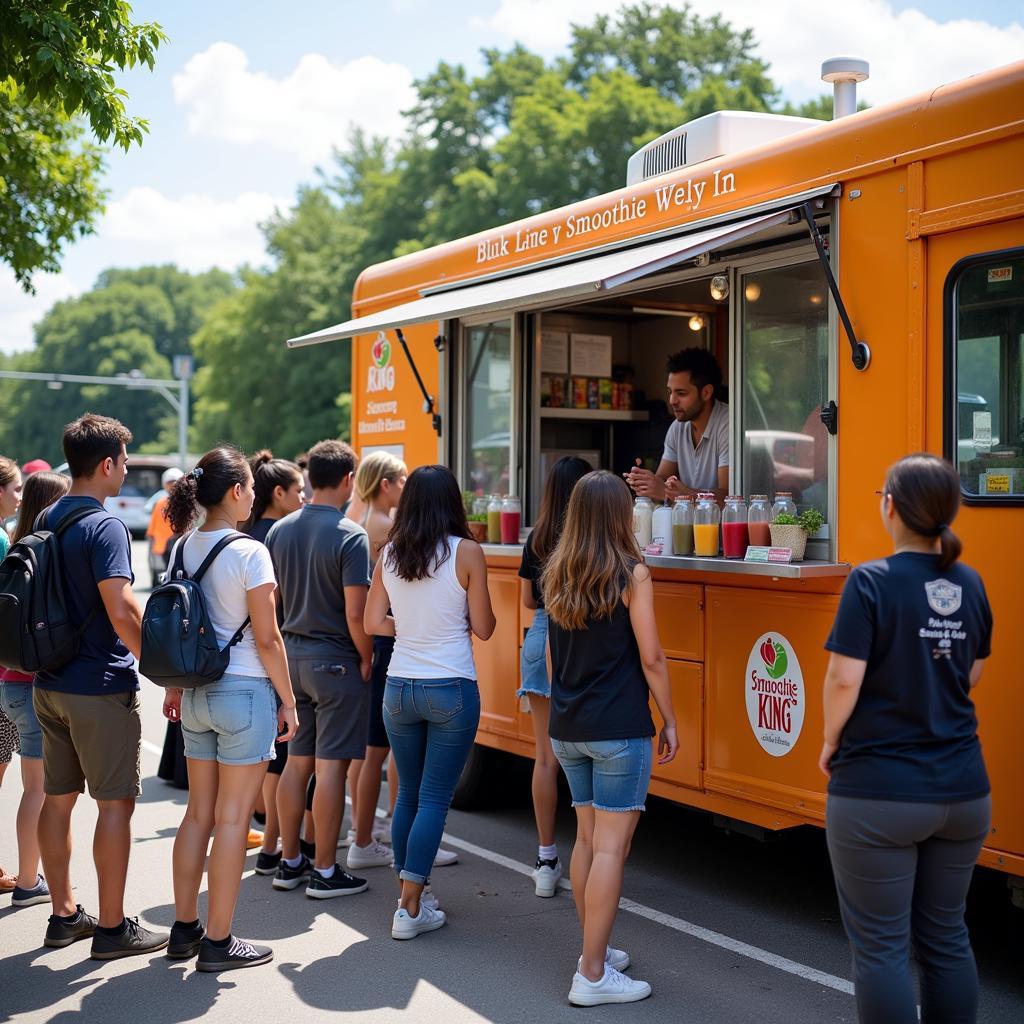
(643, 521)
(661, 526)
(706, 517)
(682, 526)
(510, 517)
(735, 537)
(783, 503)
(758, 518)
(494, 520)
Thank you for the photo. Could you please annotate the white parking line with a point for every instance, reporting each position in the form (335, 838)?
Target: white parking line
(677, 924)
(152, 748)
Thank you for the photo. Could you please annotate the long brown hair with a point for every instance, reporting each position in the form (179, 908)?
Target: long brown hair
(593, 561)
(41, 491)
(214, 475)
(925, 491)
(562, 478)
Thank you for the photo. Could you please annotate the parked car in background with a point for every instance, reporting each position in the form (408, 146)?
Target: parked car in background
(140, 484)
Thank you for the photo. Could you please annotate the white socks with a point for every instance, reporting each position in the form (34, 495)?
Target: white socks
(547, 852)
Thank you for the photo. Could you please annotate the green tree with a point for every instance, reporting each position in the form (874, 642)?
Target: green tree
(57, 65)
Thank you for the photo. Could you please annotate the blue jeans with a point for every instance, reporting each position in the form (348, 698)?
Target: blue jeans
(432, 725)
(16, 701)
(231, 721)
(609, 775)
(533, 661)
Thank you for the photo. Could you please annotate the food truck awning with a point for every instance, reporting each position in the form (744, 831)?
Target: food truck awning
(586, 275)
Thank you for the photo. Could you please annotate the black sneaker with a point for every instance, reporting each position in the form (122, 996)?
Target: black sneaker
(307, 849)
(133, 941)
(341, 883)
(60, 933)
(267, 863)
(184, 942)
(291, 878)
(235, 955)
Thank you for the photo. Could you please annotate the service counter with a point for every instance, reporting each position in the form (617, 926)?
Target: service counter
(746, 659)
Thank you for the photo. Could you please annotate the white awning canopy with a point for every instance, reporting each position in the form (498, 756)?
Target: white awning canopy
(586, 276)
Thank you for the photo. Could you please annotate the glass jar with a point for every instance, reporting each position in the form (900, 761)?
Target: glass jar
(643, 521)
(758, 518)
(682, 526)
(494, 520)
(706, 518)
(510, 520)
(783, 503)
(480, 505)
(734, 527)
(661, 527)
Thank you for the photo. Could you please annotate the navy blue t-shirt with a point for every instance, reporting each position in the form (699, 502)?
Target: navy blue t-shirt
(95, 549)
(913, 734)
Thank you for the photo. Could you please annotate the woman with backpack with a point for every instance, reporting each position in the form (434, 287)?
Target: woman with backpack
(433, 577)
(535, 683)
(606, 662)
(230, 725)
(908, 795)
(40, 492)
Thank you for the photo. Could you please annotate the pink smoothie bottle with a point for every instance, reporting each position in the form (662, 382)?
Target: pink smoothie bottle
(510, 518)
(735, 537)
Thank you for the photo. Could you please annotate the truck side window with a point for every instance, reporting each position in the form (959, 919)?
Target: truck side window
(488, 381)
(987, 312)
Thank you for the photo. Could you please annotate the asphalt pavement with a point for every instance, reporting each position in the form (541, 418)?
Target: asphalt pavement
(725, 928)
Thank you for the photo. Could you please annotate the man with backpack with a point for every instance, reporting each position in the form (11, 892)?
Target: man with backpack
(88, 707)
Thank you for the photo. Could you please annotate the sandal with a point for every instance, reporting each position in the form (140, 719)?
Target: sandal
(7, 882)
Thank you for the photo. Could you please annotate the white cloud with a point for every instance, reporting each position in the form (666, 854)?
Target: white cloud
(909, 51)
(194, 231)
(306, 113)
(20, 312)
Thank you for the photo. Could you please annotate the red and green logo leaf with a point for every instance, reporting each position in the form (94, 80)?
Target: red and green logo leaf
(773, 654)
(381, 351)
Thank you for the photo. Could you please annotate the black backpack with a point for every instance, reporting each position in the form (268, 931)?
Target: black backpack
(36, 631)
(179, 644)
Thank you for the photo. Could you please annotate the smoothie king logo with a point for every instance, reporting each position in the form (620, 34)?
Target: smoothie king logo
(774, 688)
(381, 376)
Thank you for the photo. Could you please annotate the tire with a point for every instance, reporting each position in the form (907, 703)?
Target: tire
(473, 781)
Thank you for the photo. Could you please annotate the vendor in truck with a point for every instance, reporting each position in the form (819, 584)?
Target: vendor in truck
(696, 456)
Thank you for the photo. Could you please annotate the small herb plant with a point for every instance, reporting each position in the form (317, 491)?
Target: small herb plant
(810, 520)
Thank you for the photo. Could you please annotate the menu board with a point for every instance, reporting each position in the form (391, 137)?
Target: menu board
(554, 352)
(591, 355)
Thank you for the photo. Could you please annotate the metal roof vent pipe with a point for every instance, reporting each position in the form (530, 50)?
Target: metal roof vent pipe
(844, 73)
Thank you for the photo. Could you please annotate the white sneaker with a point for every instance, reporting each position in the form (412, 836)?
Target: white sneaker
(373, 855)
(613, 987)
(545, 877)
(347, 840)
(404, 926)
(445, 858)
(428, 899)
(382, 830)
(615, 958)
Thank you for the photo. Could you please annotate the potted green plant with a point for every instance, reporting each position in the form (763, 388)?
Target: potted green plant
(791, 531)
(478, 526)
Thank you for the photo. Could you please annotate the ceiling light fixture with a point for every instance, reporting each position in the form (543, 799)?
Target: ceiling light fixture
(720, 287)
(752, 291)
(696, 322)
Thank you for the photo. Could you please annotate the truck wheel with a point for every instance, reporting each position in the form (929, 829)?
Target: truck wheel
(473, 781)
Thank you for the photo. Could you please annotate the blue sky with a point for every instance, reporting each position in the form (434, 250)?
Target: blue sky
(248, 98)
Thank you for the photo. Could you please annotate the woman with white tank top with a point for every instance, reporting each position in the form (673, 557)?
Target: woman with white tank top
(434, 578)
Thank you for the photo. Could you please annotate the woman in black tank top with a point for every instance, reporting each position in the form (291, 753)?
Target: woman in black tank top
(606, 661)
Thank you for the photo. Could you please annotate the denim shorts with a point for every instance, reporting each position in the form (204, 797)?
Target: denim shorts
(608, 775)
(16, 700)
(533, 661)
(233, 721)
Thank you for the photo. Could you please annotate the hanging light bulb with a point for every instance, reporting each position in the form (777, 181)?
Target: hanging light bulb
(720, 287)
(752, 291)
(696, 322)
(815, 300)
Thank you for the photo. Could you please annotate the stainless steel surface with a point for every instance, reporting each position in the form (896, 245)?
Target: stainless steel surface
(603, 415)
(809, 569)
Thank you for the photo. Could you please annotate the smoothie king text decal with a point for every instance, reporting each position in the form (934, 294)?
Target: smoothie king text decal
(774, 688)
(380, 376)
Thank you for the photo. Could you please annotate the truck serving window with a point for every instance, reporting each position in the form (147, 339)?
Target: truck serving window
(784, 383)
(488, 376)
(985, 330)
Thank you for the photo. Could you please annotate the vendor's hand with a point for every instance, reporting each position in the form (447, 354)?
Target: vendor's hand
(287, 723)
(668, 744)
(674, 488)
(824, 761)
(645, 484)
(366, 670)
(172, 705)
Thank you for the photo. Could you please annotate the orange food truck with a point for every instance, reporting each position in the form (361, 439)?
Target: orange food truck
(861, 283)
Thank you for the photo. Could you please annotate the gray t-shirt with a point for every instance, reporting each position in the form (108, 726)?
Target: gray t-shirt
(698, 467)
(317, 552)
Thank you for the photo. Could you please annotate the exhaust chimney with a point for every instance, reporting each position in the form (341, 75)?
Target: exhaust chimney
(844, 73)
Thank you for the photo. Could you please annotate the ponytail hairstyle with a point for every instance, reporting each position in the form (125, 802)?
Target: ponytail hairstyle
(41, 491)
(374, 470)
(925, 491)
(215, 474)
(268, 473)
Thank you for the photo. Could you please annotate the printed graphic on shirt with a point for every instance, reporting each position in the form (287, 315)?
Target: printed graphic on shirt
(774, 688)
(943, 596)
